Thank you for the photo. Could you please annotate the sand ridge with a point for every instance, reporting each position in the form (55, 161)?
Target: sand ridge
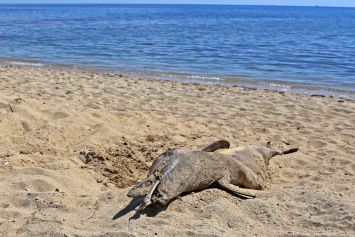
(72, 143)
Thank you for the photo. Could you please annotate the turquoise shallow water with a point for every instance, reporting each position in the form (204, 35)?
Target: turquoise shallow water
(288, 48)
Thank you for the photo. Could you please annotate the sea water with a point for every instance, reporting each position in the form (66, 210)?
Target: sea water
(305, 49)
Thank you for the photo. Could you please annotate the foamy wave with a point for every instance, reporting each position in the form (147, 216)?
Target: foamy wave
(279, 85)
(26, 64)
(204, 77)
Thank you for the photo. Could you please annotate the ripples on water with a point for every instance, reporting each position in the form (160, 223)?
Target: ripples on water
(278, 47)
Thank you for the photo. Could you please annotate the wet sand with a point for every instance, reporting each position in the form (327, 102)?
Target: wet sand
(50, 119)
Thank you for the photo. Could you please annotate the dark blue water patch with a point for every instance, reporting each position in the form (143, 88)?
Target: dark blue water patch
(303, 46)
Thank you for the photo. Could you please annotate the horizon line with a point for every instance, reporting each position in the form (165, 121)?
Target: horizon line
(211, 4)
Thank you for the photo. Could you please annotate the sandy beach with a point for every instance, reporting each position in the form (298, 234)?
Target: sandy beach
(50, 119)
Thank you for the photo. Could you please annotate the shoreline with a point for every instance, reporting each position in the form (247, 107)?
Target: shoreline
(242, 81)
(73, 143)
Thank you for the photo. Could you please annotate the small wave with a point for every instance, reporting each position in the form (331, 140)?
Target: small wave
(279, 85)
(204, 77)
(22, 63)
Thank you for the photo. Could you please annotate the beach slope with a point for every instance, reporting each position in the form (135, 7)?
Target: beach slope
(72, 143)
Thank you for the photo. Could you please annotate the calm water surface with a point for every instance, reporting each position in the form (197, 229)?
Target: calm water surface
(288, 48)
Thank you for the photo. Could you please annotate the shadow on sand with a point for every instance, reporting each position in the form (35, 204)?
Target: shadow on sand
(153, 210)
(150, 211)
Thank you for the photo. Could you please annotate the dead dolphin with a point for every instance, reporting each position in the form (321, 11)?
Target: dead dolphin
(179, 171)
(143, 187)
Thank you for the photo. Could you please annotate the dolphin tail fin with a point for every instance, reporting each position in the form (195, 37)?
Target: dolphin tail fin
(274, 153)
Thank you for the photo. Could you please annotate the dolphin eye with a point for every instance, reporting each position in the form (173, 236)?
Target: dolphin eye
(168, 153)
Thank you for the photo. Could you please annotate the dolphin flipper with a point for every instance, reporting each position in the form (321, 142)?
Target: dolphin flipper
(221, 144)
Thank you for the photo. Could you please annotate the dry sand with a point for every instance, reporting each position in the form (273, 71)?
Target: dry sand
(50, 118)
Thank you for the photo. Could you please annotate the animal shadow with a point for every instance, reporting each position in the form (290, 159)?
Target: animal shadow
(149, 211)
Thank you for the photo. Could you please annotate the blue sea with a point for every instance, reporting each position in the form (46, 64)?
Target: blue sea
(302, 49)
